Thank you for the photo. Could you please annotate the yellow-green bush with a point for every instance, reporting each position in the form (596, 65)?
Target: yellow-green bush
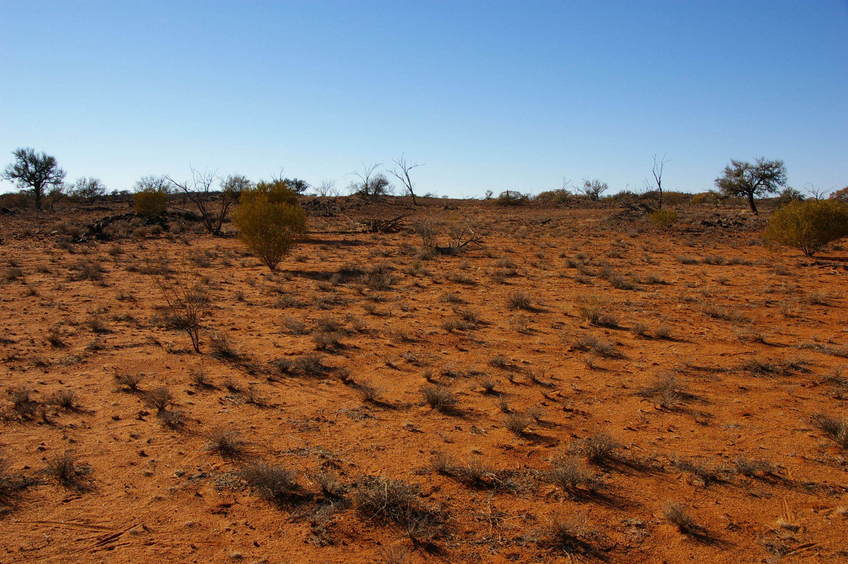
(676, 198)
(150, 203)
(270, 221)
(809, 225)
(704, 198)
(663, 218)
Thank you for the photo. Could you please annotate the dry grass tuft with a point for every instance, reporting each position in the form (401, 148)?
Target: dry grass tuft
(68, 471)
(835, 429)
(12, 486)
(128, 382)
(572, 476)
(274, 484)
(569, 533)
(64, 399)
(520, 301)
(387, 501)
(600, 449)
(440, 398)
(227, 443)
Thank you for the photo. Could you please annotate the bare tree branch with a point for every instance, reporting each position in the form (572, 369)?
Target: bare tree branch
(198, 191)
(401, 172)
(657, 171)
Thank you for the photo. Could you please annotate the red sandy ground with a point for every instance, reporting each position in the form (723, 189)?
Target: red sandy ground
(158, 494)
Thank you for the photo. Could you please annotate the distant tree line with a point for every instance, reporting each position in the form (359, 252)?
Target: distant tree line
(39, 175)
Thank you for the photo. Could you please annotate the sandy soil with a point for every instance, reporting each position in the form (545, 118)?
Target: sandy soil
(650, 368)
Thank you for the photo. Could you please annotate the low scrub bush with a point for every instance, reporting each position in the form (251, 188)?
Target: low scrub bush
(512, 198)
(809, 225)
(275, 484)
(393, 502)
(555, 197)
(150, 203)
(663, 218)
(270, 221)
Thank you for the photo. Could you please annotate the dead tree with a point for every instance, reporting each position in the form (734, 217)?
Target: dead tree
(657, 172)
(198, 190)
(462, 237)
(401, 172)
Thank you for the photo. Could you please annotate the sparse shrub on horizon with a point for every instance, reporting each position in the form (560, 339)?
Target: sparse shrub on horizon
(705, 198)
(556, 197)
(270, 221)
(594, 189)
(789, 195)
(150, 203)
(511, 198)
(809, 225)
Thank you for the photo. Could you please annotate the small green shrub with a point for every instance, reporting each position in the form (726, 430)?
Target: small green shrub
(150, 203)
(809, 225)
(270, 220)
(663, 218)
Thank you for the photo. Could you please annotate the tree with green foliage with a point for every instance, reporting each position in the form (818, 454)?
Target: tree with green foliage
(35, 172)
(594, 189)
(741, 178)
(296, 185)
(87, 188)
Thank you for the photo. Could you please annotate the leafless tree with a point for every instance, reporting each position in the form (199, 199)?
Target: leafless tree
(463, 236)
(187, 305)
(657, 172)
(152, 184)
(816, 193)
(401, 172)
(326, 188)
(198, 190)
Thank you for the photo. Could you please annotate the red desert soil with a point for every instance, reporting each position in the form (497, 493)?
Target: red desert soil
(659, 396)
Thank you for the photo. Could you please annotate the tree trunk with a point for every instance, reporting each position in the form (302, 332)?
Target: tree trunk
(752, 203)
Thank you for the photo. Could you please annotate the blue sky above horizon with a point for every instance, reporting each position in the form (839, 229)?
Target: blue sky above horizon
(487, 95)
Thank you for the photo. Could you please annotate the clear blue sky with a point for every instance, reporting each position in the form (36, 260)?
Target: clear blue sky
(488, 95)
